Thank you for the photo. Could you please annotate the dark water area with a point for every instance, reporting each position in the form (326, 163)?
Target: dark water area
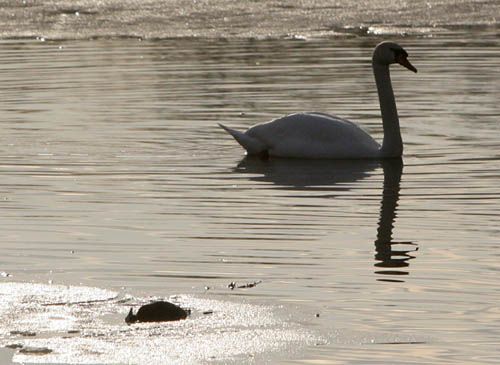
(118, 187)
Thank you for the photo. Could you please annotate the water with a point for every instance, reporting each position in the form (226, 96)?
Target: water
(118, 187)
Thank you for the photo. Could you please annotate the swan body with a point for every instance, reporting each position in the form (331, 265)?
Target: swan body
(308, 135)
(318, 135)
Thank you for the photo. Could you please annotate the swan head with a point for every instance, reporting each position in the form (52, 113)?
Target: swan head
(387, 53)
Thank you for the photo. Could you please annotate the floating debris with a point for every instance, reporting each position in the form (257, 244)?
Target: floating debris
(23, 333)
(157, 312)
(14, 346)
(249, 285)
(35, 350)
(233, 285)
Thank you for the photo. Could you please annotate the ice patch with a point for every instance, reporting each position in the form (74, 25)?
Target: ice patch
(404, 31)
(83, 325)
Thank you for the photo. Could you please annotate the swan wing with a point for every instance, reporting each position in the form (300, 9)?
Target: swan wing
(314, 135)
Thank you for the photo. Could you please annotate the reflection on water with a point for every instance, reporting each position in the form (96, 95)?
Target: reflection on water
(389, 258)
(330, 176)
(300, 174)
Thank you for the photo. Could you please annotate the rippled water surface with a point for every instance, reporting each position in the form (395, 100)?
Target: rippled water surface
(116, 176)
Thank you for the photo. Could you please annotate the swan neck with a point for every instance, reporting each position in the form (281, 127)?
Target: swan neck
(392, 145)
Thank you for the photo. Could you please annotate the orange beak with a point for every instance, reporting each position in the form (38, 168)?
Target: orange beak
(403, 61)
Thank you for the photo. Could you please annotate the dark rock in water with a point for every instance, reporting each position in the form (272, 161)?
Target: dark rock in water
(157, 312)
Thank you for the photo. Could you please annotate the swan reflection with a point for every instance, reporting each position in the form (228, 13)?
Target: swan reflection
(302, 174)
(335, 175)
(389, 258)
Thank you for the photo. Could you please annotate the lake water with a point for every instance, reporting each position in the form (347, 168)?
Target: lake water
(118, 186)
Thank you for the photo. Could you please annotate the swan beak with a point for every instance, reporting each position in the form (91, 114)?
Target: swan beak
(403, 61)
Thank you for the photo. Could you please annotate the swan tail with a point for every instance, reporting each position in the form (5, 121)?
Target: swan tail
(252, 145)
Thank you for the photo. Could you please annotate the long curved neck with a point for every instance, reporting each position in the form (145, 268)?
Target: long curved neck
(392, 146)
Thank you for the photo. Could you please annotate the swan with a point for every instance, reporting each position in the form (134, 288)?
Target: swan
(317, 135)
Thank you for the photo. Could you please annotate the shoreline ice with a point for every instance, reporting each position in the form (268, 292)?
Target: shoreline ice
(66, 19)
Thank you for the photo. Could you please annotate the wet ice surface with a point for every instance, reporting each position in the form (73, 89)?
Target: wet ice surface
(68, 19)
(77, 324)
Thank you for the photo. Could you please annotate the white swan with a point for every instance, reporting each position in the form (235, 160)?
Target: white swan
(318, 135)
